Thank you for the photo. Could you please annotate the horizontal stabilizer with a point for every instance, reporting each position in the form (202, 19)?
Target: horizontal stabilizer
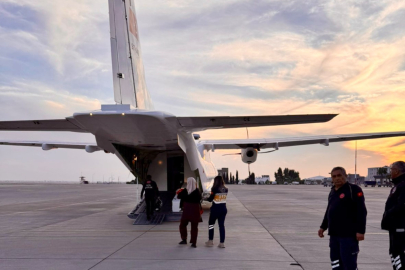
(294, 141)
(40, 125)
(89, 147)
(214, 122)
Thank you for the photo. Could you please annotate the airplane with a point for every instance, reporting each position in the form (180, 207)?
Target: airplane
(148, 141)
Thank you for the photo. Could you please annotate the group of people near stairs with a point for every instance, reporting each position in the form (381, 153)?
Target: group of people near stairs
(192, 210)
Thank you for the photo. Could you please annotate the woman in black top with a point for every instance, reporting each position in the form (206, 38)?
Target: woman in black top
(218, 211)
(191, 198)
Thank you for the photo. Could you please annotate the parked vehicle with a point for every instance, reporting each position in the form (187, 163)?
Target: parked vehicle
(370, 183)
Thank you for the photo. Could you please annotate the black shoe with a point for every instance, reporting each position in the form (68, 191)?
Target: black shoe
(183, 242)
(193, 246)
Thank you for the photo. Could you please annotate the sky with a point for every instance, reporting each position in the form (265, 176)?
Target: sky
(209, 58)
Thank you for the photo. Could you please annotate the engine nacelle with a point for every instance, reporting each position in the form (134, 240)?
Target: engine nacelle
(249, 155)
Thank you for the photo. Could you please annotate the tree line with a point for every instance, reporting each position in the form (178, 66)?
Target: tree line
(230, 179)
(280, 176)
(287, 176)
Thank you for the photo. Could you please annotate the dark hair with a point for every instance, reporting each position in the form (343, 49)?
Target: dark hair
(218, 182)
(149, 177)
(400, 165)
(339, 169)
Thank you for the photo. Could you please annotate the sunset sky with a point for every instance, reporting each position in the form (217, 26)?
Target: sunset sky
(203, 58)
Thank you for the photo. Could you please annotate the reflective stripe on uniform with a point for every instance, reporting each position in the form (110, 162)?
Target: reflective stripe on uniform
(220, 198)
(335, 264)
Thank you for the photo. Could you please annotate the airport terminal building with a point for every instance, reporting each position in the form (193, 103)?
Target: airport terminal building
(316, 180)
(262, 180)
(374, 172)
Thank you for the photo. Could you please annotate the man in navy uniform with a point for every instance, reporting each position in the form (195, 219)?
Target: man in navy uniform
(345, 218)
(151, 193)
(394, 216)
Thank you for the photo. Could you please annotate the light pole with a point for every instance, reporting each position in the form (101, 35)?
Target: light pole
(355, 165)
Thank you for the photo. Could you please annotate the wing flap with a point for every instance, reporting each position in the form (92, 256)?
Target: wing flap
(40, 125)
(89, 147)
(213, 122)
(295, 141)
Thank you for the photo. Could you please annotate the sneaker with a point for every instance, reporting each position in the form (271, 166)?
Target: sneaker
(193, 245)
(209, 243)
(221, 245)
(183, 242)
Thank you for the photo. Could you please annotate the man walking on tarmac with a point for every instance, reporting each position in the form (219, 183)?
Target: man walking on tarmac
(151, 193)
(394, 216)
(345, 218)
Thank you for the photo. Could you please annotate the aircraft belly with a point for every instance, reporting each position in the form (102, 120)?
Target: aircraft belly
(141, 130)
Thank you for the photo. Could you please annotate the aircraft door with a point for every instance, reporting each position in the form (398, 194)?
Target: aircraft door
(175, 173)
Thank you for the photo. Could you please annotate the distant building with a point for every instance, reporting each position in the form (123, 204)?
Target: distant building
(373, 172)
(355, 179)
(222, 172)
(316, 180)
(262, 180)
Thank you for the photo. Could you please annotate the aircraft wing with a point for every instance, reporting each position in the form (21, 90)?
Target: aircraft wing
(89, 147)
(294, 141)
(214, 122)
(67, 124)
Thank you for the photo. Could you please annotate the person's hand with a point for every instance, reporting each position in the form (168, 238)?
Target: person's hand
(320, 233)
(359, 237)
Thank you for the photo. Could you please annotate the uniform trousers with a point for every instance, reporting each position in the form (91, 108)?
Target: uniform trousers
(150, 206)
(343, 252)
(397, 249)
(217, 212)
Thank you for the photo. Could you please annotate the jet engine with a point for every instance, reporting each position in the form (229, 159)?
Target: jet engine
(249, 155)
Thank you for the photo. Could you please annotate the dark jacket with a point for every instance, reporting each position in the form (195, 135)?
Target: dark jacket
(394, 214)
(218, 197)
(191, 205)
(150, 189)
(346, 212)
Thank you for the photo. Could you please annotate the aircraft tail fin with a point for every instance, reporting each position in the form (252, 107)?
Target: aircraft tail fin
(128, 73)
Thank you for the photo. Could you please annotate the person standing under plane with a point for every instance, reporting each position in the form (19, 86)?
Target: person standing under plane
(151, 191)
(191, 198)
(345, 218)
(218, 211)
(394, 216)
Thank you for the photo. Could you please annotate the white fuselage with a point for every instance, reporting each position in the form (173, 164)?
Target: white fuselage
(148, 131)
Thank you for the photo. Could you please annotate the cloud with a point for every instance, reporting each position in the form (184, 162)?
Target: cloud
(39, 100)
(65, 42)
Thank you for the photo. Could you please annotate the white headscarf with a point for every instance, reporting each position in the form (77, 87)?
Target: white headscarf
(191, 185)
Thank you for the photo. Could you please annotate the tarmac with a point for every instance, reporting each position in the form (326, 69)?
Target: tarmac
(57, 226)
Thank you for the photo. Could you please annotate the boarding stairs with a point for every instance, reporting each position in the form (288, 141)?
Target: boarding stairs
(164, 214)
